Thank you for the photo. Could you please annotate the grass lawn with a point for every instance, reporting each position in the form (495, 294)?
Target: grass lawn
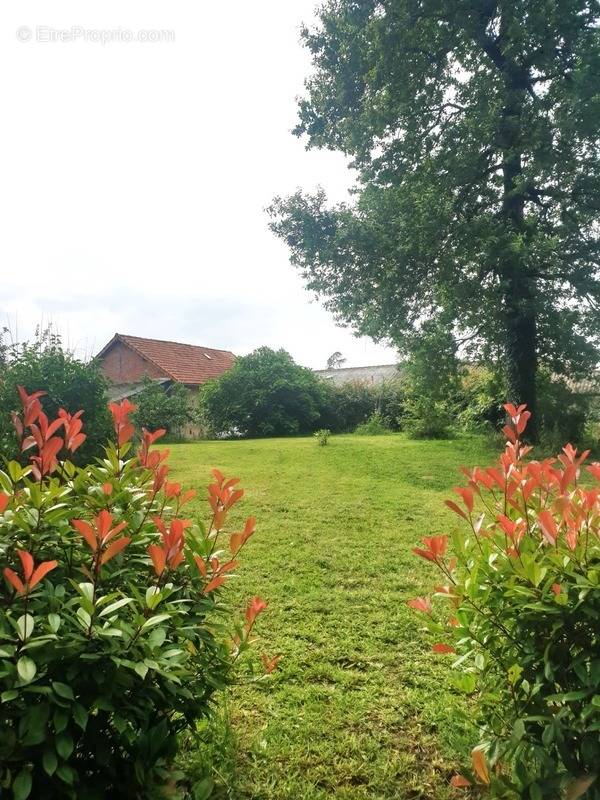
(359, 706)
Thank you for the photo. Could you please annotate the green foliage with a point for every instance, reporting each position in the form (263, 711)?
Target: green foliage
(473, 129)
(350, 404)
(113, 636)
(432, 383)
(427, 419)
(264, 394)
(481, 393)
(69, 383)
(376, 425)
(520, 608)
(563, 413)
(158, 407)
(322, 436)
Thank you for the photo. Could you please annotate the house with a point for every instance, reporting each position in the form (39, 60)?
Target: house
(126, 360)
(377, 374)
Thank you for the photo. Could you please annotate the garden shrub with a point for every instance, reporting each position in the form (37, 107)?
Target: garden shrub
(427, 419)
(519, 609)
(376, 425)
(264, 394)
(67, 382)
(114, 636)
(348, 404)
(562, 412)
(432, 383)
(353, 403)
(481, 411)
(158, 407)
(322, 436)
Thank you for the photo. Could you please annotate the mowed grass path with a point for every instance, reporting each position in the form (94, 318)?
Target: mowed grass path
(359, 707)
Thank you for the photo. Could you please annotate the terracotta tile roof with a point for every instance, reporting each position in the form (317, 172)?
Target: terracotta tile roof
(185, 363)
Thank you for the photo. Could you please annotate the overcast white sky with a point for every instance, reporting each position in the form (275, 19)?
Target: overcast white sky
(134, 175)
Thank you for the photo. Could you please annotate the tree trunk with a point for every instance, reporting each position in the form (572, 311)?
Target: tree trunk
(519, 289)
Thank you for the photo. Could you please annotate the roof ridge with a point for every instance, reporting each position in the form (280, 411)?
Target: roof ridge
(171, 341)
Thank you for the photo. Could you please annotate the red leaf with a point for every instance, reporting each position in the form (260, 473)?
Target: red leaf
(442, 648)
(201, 564)
(157, 554)
(86, 530)
(41, 571)
(114, 548)
(14, 580)
(453, 507)
(269, 664)
(214, 584)
(27, 562)
(459, 782)
(480, 766)
(548, 526)
(4, 500)
(467, 496)
(423, 553)
(420, 604)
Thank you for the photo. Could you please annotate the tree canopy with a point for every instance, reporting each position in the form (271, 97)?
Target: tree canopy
(474, 127)
(264, 394)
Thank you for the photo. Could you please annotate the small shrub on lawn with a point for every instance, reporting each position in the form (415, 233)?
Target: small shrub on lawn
(376, 425)
(322, 436)
(519, 607)
(113, 633)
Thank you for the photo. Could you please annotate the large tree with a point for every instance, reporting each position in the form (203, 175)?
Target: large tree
(474, 129)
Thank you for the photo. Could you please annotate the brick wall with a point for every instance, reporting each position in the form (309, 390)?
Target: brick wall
(121, 364)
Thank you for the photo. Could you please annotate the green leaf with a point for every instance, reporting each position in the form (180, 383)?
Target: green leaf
(54, 621)
(64, 745)
(87, 591)
(80, 715)
(157, 638)
(141, 669)
(66, 774)
(114, 606)
(25, 626)
(22, 785)
(84, 618)
(60, 719)
(26, 668)
(49, 761)
(535, 793)
(63, 690)
(10, 694)
(153, 596)
(568, 697)
(155, 620)
(203, 789)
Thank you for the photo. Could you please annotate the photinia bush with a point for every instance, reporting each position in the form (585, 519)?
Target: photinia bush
(113, 632)
(519, 608)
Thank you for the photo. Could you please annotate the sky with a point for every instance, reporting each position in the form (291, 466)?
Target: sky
(140, 145)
